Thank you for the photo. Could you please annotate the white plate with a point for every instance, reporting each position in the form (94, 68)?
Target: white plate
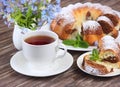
(79, 64)
(90, 48)
(20, 65)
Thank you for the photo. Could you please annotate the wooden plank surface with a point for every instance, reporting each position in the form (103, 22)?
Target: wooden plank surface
(71, 78)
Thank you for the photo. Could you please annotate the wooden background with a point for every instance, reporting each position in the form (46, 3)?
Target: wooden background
(71, 78)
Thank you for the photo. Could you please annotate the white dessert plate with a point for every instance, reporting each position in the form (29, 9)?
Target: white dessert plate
(20, 65)
(90, 48)
(79, 64)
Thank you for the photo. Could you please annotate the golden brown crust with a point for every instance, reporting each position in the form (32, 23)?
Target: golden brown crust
(56, 27)
(108, 48)
(114, 18)
(91, 39)
(97, 31)
(106, 27)
(119, 64)
(99, 67)
(64, 32)
(92, 32)
(93, 67)
(111, 59)
(80, 15)
(114, 33)
(95, 13)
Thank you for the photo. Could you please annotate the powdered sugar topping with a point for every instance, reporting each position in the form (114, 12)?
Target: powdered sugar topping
(91, 25)
(109, 43)
(90, 69)
(104, 18)
(118, 13)
(66, 14)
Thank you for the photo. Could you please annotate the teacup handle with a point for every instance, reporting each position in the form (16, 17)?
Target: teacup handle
(62, 51)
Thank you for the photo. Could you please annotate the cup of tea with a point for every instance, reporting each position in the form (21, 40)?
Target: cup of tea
(42, 48)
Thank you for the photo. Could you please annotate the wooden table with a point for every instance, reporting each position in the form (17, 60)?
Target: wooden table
(73, 77)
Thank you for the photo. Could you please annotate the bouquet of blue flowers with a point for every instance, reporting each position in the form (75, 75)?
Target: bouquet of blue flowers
(28, 13)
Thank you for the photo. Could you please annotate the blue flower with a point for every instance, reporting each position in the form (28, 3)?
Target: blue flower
(33, 1)
(58, 1)
(34, 8)
(49, 13)
(22, 1)
(9, 10)
(13, 1)
(5, 2)
(28, 12)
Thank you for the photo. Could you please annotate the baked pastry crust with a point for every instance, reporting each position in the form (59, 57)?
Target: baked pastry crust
(109, 54)
(92, 31)
(109, 47)
(70, 20)
(94, 67)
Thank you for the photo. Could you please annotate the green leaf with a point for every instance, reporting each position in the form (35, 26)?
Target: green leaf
(69, 42)
(27, 18)
(78, 37)
(29, 12)
(95, 55)
(83, 44)
(78, 42)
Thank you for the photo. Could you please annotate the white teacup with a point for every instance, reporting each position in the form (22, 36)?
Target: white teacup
(42, 54)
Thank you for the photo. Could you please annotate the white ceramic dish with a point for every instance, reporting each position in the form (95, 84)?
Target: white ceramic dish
(79, 64)
(90, 48)
(20, 65)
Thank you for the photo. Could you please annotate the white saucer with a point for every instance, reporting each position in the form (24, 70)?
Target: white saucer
(20, 65)
(80, 61)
